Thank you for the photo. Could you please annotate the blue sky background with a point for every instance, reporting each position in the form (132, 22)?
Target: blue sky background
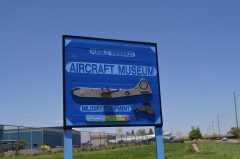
(199, 53)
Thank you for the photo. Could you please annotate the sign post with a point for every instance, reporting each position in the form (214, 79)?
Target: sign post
(110, 83)
(68, 144)
(159, 142)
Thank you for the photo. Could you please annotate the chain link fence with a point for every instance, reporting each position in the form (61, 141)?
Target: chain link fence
(27, 138)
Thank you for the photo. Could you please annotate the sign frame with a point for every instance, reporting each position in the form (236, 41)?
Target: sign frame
(67, 127)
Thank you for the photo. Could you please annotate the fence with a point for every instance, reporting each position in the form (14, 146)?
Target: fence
(19, 137)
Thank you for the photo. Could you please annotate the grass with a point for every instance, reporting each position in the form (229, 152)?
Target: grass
(135, 152)
(208, 150)
(172, 151)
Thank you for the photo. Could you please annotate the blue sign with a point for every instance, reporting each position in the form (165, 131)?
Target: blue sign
(110, 83)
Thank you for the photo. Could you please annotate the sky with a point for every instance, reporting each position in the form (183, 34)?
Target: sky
(198, 47)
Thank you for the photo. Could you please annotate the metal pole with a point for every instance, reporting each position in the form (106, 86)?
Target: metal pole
(126, 140)
(43, 136)
(235, 103)
(108, 140)
(100, 139)
(90, 145)
(68, 144)
(31, 138)
(104, 139)
(212, 128)
(115, 140)
(159, 141)
(80, 139)
(219, 131)
(18, 141)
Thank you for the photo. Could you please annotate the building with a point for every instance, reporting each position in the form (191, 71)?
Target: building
(36, 137)
(1, 132)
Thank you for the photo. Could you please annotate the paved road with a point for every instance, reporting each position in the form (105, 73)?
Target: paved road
(234, 141)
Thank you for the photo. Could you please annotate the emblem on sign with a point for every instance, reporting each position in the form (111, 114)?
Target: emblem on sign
(147, 108)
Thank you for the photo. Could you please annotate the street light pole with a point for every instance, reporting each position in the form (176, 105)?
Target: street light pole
(235, 103)
(219, 130)
(212, 129)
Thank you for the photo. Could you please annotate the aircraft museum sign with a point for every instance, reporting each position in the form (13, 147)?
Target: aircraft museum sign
(110, 83)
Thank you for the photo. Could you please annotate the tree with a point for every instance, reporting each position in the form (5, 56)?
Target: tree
(195, 133)
(119, 132)
(150, 131)
(132, 133)
(141, 132)
(234, 131)
(22, 144)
